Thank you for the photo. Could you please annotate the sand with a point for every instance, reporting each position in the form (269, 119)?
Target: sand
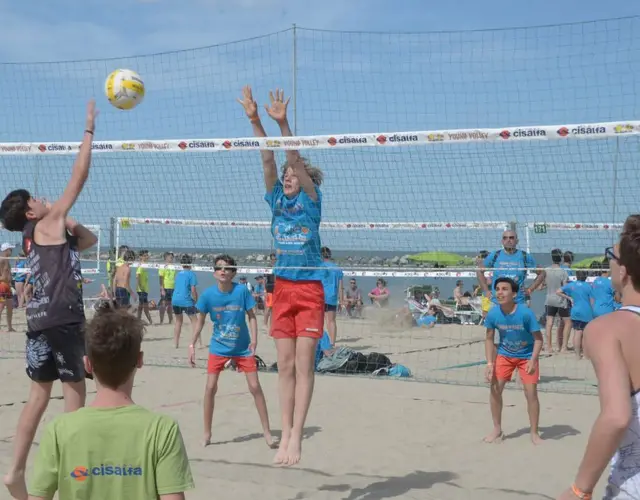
(365, 438)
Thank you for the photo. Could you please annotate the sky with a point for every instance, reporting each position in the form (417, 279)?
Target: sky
(390, 66)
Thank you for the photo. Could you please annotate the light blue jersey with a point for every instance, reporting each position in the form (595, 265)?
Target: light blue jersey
(603, 296)
(510, 265)
(426, 320)
(185, 279)
(516, 330)
(570, 272)
(228, 310)
(295, 226)
(581, 292)
(331, 283)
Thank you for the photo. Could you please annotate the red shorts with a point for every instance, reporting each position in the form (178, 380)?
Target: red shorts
(268, 300)
(246, 364)
(505, 367)
(5, 291)
(298, 309)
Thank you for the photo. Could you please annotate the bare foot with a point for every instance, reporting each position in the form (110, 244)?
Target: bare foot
(15, 483)
(535, 438)
(294, 451)
(271, 442)
(495, 437)
(281, 455)
(206, 441)
(11, 329)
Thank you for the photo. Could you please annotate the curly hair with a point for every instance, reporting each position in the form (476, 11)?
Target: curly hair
(314, 172)
(13, 210)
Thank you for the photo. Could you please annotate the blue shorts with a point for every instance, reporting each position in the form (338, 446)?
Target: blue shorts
(189, 310)
(330, 307)
(143, 297)
(579, 325)
(123, 298)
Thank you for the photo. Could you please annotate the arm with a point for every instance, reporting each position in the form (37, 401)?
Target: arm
(482, 280)
(253, 330)
(268, 158)
(614, 388)
(173, 496)
(278, 111)
(340, 293)
(560, 292)
(538, 281)
(490, 352)
(86, 239)
(537, 345)
(128, 279)
(198, 329)
(194, 293)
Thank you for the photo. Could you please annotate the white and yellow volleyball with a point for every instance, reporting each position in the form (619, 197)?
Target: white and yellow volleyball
(124, 89)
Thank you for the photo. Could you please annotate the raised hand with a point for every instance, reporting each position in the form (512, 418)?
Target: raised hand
(278, 108)
(248, 103)
(92, 113)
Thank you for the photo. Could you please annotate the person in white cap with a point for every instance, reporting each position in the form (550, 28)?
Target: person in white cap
(6, 295)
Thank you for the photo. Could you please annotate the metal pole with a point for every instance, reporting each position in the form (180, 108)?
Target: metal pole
(615, 188)
(526, 234)
(294, 83)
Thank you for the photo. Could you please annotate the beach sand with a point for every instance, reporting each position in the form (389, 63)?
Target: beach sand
(365, 438)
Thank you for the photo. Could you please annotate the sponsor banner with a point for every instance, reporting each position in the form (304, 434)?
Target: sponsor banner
(579, 226)
(380, 139)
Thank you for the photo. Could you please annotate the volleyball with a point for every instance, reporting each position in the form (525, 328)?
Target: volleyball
(124, 89)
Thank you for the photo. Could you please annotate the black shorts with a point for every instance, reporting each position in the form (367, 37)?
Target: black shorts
(189, 310)
(56, 353)
(553, 311)
(143, 297)
(168, 295)
(330, 307)
(578, 325)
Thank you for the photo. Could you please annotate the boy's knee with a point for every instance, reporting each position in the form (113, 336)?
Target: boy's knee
(254, 388)
(211, 388)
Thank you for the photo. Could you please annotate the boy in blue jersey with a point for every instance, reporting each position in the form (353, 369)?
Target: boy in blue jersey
(183, 299)
(333, 294)
(297, 324)
(579, 293)
(228, 303)
(508, 262)
(604, 295)
(519, 349)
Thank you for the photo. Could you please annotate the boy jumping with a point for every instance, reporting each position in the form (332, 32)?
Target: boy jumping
(113, 448)
(227, 303)
(519, 349)
(52, 243)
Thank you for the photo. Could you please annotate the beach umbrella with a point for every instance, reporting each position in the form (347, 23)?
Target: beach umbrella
(446, 259)
(586, 263)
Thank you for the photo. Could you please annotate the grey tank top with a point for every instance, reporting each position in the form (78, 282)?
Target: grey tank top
(57, 285)
(555, 278)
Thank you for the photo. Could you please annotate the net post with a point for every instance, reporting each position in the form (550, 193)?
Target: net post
(526, 237)
(114, 240)
(294, 83)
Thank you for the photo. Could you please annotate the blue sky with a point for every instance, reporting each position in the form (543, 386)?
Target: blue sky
(442, 77)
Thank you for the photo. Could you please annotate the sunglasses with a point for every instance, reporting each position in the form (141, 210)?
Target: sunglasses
(508, 237)
(224, 268)
(609, 254)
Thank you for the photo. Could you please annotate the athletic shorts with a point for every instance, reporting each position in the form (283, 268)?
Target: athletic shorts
(56, 353)
(168, 295)
(143, 297)
(123, 297)
(246, 364)
(330, 307)
(5, 291)
(188, 310)
(553, 311)
(268, 299)
(578, 325)
(298, 309)
(505, 367)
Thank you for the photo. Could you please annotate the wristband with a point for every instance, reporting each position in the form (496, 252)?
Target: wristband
(582, 495)
(254, 120)
(87, 131)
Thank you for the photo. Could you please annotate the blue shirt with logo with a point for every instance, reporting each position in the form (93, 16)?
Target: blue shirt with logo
(185, 279)
(516, 330)
(227, 311)
(581, 292)
(20, 276)
(331, 283)
(426, 320)
(295, 226)
(603, 296)
(510, 265)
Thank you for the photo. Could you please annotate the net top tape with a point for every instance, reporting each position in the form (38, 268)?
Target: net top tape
(377, 139)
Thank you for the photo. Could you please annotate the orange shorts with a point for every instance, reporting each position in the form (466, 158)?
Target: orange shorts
(5, 291)
(268, 300)
(298, 309)
(505, 367)
(246, 364)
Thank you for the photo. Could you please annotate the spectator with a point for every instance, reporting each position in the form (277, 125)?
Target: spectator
(380, 294)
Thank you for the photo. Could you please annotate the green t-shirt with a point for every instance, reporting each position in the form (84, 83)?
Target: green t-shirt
(142, 280)
(168, 278)
(107, 453)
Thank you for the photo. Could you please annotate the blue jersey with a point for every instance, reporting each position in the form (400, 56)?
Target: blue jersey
(568, 269)
(295, 226)
(182, 297)
(510, 265)
(426, 320)
(516, 331)
(603, 296)
(331, 283)
(581, 292)
(21, 275)
(259, 289)
(323, 345)
(228, 313)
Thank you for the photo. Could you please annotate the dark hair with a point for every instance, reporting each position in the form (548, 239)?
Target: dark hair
(483, 254)
(630, 249)
(14, 208)
(568, 257)
(581, 275)
(326, 252)
(314, 172)
(129, 256)
(143, 252)
(272, 255)
(186, 259)
(504, 279)
(556, 256)
(227, 259)
(167, 254)
(112, 340)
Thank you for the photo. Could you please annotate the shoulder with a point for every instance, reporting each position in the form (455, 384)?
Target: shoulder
(494, 313)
